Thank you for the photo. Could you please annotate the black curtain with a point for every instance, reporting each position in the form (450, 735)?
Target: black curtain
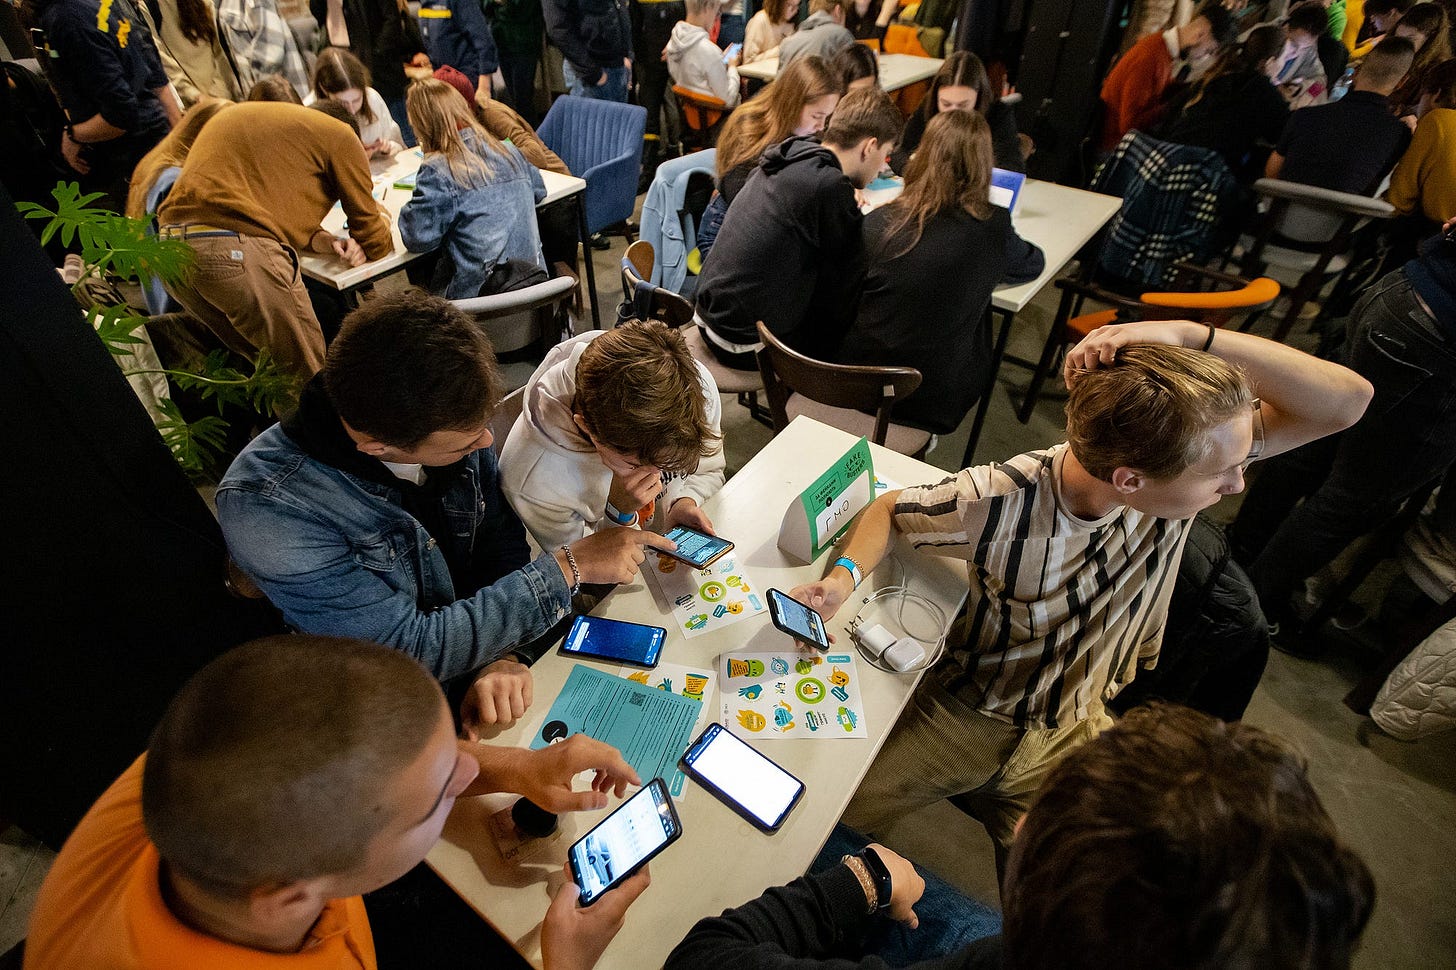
(112, 579)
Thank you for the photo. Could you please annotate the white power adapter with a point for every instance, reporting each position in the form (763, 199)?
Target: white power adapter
(900, 654)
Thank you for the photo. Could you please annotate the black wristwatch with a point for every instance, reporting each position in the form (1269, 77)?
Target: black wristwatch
(880, 874)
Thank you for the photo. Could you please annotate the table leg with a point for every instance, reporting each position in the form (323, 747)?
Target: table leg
(586, 254)
(998, 352)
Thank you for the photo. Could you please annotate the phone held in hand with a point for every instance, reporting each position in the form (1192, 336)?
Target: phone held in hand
(624, 841)
(796, 619)
(748, 782)
(697, 549)
(606, 639)
(733, 51)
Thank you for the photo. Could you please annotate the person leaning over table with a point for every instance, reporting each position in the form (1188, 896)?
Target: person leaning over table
(1073, 552)
(286, 778)
(375, 510)
(248, 207)
(617, 431)
(962, 84)
(1173, 840)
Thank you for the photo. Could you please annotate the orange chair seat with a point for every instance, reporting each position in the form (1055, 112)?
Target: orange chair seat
(1087, 322)
(700, 111)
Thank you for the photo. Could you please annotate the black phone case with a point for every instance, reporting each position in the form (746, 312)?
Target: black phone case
(727, 799)
(645, 665)
(782, 627)
(677, 834)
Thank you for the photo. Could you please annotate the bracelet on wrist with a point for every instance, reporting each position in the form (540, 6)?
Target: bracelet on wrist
(861, 872)
(575, 572)
(1209, 342)
(850, 566)
(620, 517)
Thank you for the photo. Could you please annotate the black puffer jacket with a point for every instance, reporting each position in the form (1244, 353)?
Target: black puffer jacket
(1217, 640)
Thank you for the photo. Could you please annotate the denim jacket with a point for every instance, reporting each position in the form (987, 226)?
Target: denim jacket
(338, 555)
(479, 226)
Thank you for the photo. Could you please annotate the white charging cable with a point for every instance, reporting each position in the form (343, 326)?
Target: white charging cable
(907, 652)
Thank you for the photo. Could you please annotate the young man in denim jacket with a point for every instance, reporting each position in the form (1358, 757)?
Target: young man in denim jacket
(374, 510)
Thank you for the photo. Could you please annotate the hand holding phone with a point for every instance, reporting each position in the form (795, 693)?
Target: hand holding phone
(730, 56)
(624, 841)
(697, 549)
(797, 619)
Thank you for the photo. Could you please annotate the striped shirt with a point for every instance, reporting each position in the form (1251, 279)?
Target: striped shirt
(1062, 610)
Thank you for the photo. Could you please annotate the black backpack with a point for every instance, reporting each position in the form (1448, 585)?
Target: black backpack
(31, 121)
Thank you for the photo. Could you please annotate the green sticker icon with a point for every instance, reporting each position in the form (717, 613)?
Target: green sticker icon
(712, 591)
(810, 690)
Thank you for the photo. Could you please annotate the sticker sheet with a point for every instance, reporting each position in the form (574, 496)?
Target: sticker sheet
(792, 695)
(694, 683)
(702, 600)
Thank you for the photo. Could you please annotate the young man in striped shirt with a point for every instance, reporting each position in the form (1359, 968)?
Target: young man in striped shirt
(1073, 552)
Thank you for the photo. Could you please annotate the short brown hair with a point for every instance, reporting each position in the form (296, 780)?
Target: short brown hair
(1175, 840)
(274, 87)
(1151, 410)
(406, 366)
(267, 765)
(1440, 81)
(866, 113)
(815, 6)
(639, 390)
(336, 111)
(1387, 63)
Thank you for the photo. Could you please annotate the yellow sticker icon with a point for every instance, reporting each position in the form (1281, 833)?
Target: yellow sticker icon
(752, 720)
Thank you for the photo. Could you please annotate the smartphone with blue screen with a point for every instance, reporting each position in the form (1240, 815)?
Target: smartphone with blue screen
(697, 549)
(624, 841)
(733, 51)
(797, 620)
(604, 639)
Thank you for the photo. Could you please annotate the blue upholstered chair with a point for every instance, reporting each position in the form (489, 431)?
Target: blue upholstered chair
(600, 141)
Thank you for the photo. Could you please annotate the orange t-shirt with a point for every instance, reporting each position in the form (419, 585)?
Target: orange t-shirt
(101, 907)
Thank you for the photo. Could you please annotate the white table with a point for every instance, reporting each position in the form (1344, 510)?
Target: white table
(896, 70)
(336, 274)
(721, 860)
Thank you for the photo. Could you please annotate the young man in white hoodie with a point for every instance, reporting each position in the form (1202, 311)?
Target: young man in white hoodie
(618, 429)
(698, 64)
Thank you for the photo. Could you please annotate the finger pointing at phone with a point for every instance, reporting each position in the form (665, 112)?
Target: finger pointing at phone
(612, 555)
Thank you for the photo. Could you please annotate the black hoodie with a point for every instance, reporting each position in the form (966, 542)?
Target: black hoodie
(788, 254)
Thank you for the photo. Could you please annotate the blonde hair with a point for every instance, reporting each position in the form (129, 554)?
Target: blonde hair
(773, 114)
(438, 115)
(337, 71)
(171, 150)
(1152, 410)
(951, 169)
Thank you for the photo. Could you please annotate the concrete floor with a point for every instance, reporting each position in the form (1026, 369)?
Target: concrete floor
(1394, 802)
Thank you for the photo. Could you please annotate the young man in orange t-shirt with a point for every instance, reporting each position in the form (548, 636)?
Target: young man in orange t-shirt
(286, 779)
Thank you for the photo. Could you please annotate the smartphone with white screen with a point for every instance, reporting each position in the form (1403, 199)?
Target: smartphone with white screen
(696, 548)
(631, 643)
(797, 620)
(748, 782)
(624, 841)
(732, 51)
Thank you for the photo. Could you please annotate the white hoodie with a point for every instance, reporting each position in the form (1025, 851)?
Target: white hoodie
(696, 63)
(553, 477)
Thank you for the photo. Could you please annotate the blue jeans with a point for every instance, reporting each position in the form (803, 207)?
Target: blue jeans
(1355, 482)
(949, 921)
(613, 89)
(730, 29)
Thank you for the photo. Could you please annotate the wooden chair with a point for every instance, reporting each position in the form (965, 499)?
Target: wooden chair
(1216, 307)
(1305, 230)
(504, 418)
(839, 395)
(702, 114)
(676, 311)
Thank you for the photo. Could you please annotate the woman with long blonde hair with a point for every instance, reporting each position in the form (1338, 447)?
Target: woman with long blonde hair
(475, 199)
(798, 102)
(934, 255)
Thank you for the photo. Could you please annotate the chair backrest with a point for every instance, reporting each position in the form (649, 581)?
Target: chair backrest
(861, 388)
(644, 301)
(641, 257)
(1310, 217)
(519, 318)
(700, 112)
(586, 132)
(504, 418)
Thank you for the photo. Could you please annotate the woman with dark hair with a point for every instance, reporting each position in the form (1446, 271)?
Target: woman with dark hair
(858, 67)
(962, 85)
(384, 36)
(340, 76)
(767, 29)
(934, 255)
(1426, 26)
(1235, 107)
(185, 32)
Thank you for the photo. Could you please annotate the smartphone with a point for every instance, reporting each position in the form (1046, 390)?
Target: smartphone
(625, 841)
(631, 643)
(796, 619)
(733, 51)
(748, 782)
(696, 548)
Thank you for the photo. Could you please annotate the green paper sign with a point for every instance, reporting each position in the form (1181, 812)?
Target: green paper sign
(838, 495)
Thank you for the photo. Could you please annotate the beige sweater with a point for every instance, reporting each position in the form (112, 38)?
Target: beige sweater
(271, 169)
(761, 38)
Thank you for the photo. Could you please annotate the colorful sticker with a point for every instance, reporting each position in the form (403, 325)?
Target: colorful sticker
(752, 720)
(810, 690)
